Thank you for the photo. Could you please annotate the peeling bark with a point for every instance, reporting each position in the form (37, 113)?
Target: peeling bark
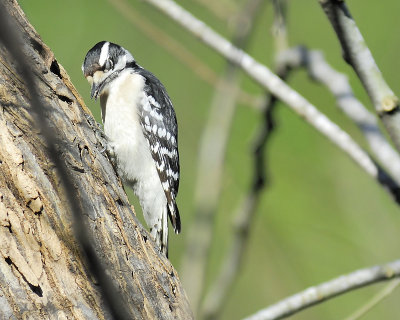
(42, 273)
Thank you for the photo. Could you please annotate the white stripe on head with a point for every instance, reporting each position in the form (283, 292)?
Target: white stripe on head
(104, 53)
(129, 57)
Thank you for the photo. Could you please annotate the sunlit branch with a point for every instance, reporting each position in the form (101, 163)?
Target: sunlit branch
(358, 55)
(381, 295)
(319, 70)
(279, 88)
(328, 290)
(221, 287)
(178, 50)
(222, 9)
(211, 159)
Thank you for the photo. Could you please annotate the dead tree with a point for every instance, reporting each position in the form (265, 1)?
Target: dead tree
(43, 272)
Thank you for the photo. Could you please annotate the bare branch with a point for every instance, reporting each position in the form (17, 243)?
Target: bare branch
(387, 291)
(211, 164)
(222, 9)
(176, 49)
(357, 54)
(280, 89)
(279, 29)
(209, 172)
(339, 85)
(219, 291)
(328, 290)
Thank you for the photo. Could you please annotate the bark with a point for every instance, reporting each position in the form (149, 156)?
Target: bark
(42, 272)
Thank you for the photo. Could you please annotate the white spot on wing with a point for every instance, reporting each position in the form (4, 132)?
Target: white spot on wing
(145, 103)
(154, 129)
(169, 153)
(154, 102)
(173, 174)
(161, 166)
(156, 115)
(150, 105)
(165, 185)
(161, 132)
(104, 53)
(155, 147)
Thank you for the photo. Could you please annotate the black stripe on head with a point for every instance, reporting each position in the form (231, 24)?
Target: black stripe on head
(105, 56)
(91, 62)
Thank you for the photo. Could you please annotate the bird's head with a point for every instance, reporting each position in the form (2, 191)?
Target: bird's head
(103, 63)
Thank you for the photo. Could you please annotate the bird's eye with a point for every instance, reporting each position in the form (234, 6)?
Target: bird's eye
(109, 65)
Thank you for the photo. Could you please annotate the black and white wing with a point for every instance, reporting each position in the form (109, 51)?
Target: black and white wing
(160, 128)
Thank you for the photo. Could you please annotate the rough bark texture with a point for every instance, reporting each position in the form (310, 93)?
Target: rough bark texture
(42, 273)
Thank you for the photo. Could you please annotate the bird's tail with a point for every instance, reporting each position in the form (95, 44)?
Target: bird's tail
(159, 233)
(173, 213)
(164, 232)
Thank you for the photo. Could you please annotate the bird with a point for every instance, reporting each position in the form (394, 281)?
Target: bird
(141, 131)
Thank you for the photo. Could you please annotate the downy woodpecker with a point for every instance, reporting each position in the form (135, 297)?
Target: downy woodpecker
(142, 133)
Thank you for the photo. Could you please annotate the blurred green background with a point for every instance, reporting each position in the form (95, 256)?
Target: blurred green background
(321, 216)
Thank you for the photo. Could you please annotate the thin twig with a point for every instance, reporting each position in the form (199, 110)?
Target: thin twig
(319, 70)
(279, 27)
(211, 164)
(207, 190)
(358, 55)
(328, 290)
(10, 36)
(384, 293)
(177, 50)
(222, 9)
(221, 287)
(280, 89)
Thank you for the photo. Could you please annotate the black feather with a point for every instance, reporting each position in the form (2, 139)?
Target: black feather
(166, 120)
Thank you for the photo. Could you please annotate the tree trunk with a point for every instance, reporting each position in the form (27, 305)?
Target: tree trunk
(42, 272)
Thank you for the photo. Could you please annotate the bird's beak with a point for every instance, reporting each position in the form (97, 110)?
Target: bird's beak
(94, 91)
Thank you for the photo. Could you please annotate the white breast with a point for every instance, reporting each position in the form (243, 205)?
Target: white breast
(134, 162)
(121, 124)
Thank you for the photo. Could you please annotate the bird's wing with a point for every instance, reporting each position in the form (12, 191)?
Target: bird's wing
(160, 128)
